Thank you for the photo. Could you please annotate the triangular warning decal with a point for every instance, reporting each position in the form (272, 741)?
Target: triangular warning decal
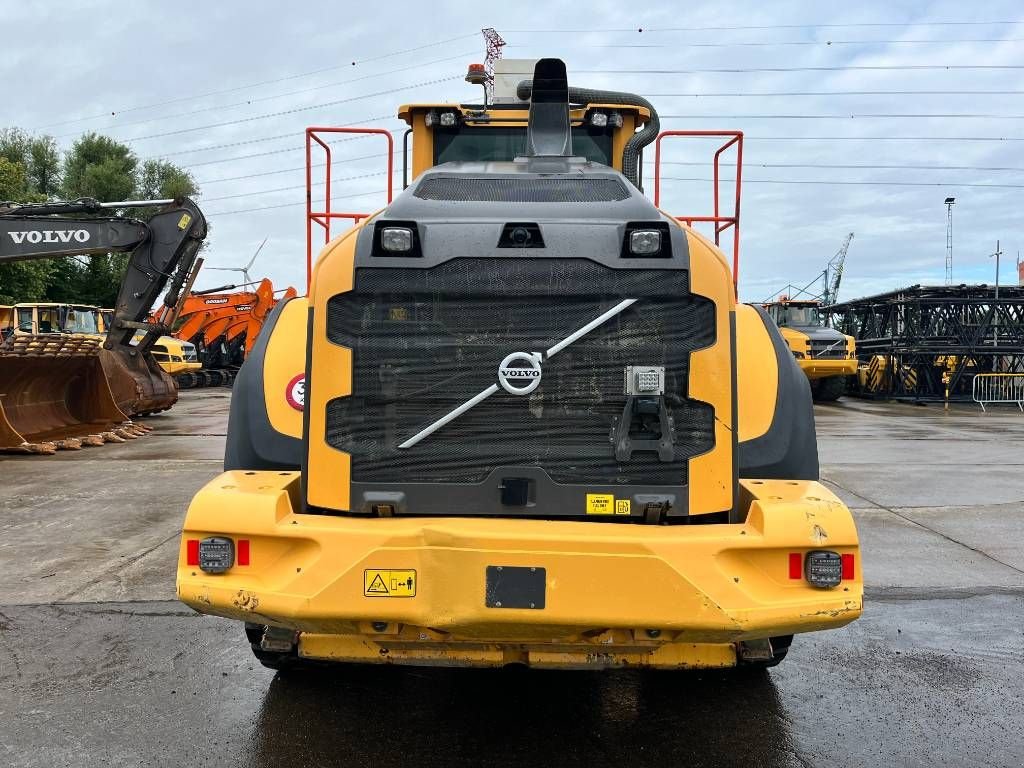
(377, 586)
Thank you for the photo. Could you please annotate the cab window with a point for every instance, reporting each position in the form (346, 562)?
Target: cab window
(503, 143)
(800, 316)
(79, 320)
(49, 320)
(25, 320)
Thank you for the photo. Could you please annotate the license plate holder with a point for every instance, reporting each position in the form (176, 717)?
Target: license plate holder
(512, 586)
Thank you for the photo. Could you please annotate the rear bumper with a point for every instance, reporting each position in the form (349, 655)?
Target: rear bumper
(613, 593)
(824, 368)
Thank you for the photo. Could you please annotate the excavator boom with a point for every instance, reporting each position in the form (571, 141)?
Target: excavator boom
(61, 386)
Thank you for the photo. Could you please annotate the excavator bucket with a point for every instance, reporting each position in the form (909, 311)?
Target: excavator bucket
(139, 385)
(54, 391)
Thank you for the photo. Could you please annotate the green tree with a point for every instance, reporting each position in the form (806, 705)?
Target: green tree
(100, 167)
(38, 155)
(23, 280)
(105, 169)
(32, 169)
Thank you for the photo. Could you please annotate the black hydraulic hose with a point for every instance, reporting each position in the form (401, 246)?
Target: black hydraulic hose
(631, 153)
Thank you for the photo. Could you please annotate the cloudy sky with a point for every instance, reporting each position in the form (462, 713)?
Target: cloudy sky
(858, 118)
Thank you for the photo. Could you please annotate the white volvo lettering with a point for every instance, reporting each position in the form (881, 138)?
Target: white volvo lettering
(35, 236)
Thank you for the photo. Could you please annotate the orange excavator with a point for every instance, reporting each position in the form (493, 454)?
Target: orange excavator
(65, 388)
(223, 326)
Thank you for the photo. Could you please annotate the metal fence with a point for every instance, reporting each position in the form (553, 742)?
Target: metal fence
(998, 388)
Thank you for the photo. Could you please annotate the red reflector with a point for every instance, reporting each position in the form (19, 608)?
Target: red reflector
(243, 551)
(192, 552)
(847, 567)
(796, 565)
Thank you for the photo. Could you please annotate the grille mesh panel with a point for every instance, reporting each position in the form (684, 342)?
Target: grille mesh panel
(528, 190)
(422, 351)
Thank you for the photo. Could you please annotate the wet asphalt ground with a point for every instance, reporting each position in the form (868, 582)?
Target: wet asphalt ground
(100, 666)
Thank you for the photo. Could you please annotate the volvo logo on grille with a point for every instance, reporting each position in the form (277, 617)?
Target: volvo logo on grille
(519, 373)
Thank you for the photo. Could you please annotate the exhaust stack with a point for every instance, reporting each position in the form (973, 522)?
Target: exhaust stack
(549, 133)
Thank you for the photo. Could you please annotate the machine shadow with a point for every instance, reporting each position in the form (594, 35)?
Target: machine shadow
(432, 716)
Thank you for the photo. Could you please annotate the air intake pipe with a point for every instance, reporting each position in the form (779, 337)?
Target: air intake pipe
(631, 153)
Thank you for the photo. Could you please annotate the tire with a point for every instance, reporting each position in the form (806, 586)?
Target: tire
(780, 647)
(830, 389)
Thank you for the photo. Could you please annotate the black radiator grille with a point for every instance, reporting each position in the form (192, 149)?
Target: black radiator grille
(828, 349)
(527, 190)
(426, 340)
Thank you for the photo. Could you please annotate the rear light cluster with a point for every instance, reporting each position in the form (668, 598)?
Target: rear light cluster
(216, 554)
(821, 568)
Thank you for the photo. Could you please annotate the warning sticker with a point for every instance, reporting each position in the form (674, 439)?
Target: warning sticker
(622, 506)
(600, 503)
(389, 583)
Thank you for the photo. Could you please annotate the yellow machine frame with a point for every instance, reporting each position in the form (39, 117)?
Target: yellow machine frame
(411, 590)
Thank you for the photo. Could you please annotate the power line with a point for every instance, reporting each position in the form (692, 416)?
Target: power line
(258, 84)
(837, 68)
(289, 135)
(292, 205)
(249, 102)
(852, 116)
(790, 43)
(291, 170)
(292, 111)
(768, 26)
(831, 182)
(744, 94)
(853, 166)
(296, 186)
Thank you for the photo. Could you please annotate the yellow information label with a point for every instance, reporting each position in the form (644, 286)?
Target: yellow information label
(600, 504)
(622, 506)
(389, 583)
(184, 221)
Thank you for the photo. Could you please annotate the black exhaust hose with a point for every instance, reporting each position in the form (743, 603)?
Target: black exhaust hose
(631, 153)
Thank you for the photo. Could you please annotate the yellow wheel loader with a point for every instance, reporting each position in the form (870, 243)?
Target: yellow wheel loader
(826, 356)
(529, 425)
(60, 380)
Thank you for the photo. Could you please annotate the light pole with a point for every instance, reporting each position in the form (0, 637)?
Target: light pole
(949, 239)
(995, 308)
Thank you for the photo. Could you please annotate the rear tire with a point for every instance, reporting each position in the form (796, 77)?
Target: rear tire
(830, 389)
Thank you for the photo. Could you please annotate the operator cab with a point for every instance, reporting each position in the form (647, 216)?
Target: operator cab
(54, 318)
(496, 130)
(796, 314)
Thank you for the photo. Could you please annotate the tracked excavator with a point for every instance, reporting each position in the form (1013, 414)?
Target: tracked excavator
(223, 326)
(521, 419)
(58, 388)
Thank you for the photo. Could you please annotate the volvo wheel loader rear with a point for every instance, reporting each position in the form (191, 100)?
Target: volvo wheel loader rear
(530, 424)
(58, 387)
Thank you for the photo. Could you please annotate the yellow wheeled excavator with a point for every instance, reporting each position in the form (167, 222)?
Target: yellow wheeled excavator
(61, 385)
(529, 425)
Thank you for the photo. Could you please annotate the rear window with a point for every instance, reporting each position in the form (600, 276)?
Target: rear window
(508, 142)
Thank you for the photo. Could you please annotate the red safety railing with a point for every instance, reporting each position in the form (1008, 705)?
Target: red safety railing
(721, 222)
(324, 217)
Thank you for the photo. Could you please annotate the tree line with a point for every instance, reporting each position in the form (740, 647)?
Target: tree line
(34, 169)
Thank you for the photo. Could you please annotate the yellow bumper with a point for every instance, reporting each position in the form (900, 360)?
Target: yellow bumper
(823, 369)
(671, 596)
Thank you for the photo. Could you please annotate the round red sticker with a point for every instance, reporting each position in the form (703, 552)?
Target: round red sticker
(295, 393)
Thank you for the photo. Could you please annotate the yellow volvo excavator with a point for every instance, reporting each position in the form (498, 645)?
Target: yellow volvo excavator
(529, 424)
(61, 381)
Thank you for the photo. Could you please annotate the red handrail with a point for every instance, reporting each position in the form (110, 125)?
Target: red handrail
(721, 222)
(324, 217)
